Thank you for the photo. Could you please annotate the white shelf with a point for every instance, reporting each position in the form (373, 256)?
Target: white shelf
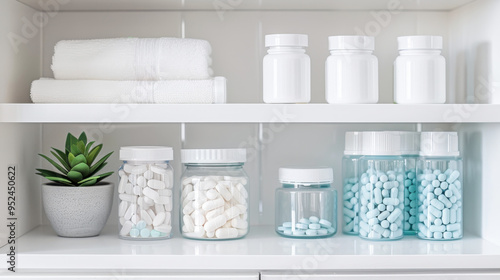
(248, 113)
(261, 250)
(209, 5)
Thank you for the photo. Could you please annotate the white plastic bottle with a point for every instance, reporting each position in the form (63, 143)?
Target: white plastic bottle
(287, 69)
(351, 70)
(420, 71)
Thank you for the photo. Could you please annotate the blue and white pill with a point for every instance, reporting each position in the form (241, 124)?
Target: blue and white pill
(314, 226)
(438, 235)
(141, 225)
(436, 183)
(134, 232)
(381, 207)
(301, 226)
(438, 191)
(325, 223)
(378, 185)
(447, 235)
(304, 221)
(390, 208)
(299, 232)
(314, 219)
(383, 178)
(393, 227)
(385, 224)
(155, 233)
(442, 177)
(145, 233)
(311, 232)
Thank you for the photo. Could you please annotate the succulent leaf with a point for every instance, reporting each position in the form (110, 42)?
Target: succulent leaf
(94, 153)
(62, 155)
(83, 137)
(87, 149)
(59, 180)
(77, 160)
(81, 147)
(99, 163)
(89, 181)
(104, 176)
(74, 150)
(70, 140)
(63, 162)
(54, 163)
(48, 173)
(75, 176)
(82, 168)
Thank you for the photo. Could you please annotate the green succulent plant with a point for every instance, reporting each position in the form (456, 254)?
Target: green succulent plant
(75, 163)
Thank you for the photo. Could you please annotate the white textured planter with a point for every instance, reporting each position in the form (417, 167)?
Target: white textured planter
(77, 211)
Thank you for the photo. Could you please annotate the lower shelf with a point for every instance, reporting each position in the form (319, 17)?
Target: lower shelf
(262, 249)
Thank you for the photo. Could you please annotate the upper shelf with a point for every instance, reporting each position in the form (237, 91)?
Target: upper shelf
(248, 113)
(225, 5)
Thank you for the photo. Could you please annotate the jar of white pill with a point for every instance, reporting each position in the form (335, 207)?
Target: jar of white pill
(306, 204)
(214, 194)
(350, 179)
(287, 69)
(381, 187)
(420, 71)
(410, 148)
(351, 70)
(439, 180)
(145, 193)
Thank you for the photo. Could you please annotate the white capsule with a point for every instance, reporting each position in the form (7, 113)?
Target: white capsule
(151, 213)
(148, 201)
(127, 226)
(210, 234)
(199, 232)
(129, 188)
(156, 184)
(141, 181)
(122, 208)
(131, 210)
(207, 185)
(215, 223)
(212, 194)
(212, 204)
(159, 208)
(159, 219)
(148, 175)
(238, 196)
(164, 228)
(123, 182)
(223, 233)
(198, 217)
(186, 190)
(188, 223)
(214, 213)
(239, 223)
(145, 216)
(135, 219)
(140, 169)
(122, 221)
(242, 190)
(137, 190)
(165, 192)
(222, 188)
(188, 209)
(128, 197)
(232, 212)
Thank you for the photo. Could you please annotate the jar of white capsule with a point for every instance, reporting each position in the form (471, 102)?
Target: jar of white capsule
(214, 194)
(145, 193)
(306, 204)
(440, 188)
(350, 178)
(287, 69)
(351, 70)
(420, 71)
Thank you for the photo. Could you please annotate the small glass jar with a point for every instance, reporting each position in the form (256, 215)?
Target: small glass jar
(410, 147)
(287, 69)
(214, 194)
(381, 187)
(351, 70)
(306, 205)
(350, 178)
(439, 179)
(420, 71)
(145, 193)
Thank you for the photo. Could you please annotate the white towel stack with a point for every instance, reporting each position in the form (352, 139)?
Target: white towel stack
(131, 70)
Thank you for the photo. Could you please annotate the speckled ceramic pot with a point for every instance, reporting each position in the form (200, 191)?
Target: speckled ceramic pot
(77, 211)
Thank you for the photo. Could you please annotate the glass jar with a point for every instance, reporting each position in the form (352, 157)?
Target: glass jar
(410, 147)
(351, 70)
(306, 205)
(381, 187)
(214, 194)
(145, 193)
(287, 69)
(439, 179)
(350, 178)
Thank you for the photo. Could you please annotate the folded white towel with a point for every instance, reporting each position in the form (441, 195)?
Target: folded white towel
(131, 59)
(157, 92)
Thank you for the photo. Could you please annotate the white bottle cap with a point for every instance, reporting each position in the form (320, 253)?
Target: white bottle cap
(286, 40)
(293, 175)
(420, 43)
(213, 155)
(146, 153)
(353, 143)
(381, 143)
(439, 144)
(410, 142)
(351, 43)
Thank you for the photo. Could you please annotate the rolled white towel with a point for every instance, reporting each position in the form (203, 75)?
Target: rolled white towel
(154, 92)
(130, 59)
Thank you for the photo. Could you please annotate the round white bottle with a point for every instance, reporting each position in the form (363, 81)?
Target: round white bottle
(420, 71)
(287, 69)
(351, 70)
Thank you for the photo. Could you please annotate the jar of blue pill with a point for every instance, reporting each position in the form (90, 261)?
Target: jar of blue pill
(410, 148)
(439, 180)
(306, 204)
(350, 177)
(381, 187)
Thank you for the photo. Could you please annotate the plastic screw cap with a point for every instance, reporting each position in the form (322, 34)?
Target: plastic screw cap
(353, 143)
(293, 175)
(146, 153)
(439, 144)
(382, 143)
(351, 43)
(213, 155)
(420, 43)
(287, 40)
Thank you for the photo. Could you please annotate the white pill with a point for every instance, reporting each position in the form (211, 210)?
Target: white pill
(212, 204)
(164, 228)
(188, 223)
(186, 190)
(148, 201)
(210, 234)
(215, 223)
(148, 175)
(151, 213)
(158, 170)
(122, 221)
(167, 200)
(199, 232)
(140, 169)
(145, 216)
(237, 195)
(232, 212)
(198, 217)
(165, 192)
(242, 190)
(129, 188)
(226, 233)
(239, 223)
(188, 209)
(394, 215)
(212, 194)
(159, 219)
(134, 219)
(207, 185)
(127, 226)
(156, 184)
(123, 182)
(137, 190)
(131, 210)
(391, 201)
(159, 208)
(222, 188)
(214, 213)
(227, 225)
(122, 208)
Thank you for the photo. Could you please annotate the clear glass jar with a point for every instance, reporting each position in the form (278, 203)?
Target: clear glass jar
(410, 148)
(439, 179)
(351, 70)
(381, 187)
(306, 205)
(145, 193)
(214, 194)
(350, 179)
(287, 69)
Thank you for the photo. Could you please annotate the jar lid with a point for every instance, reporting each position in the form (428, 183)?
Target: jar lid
(146, 153)
(213, 155)
(287, 40)
(353, 143)
(439, 144)
(294, 175)
(420, 43)
(410, 142)
(381, 143)
(351, 43)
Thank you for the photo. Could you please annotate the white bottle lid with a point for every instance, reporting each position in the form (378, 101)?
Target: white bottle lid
(410, 142)
(439, 144)
(286, 40)
(420, 43)
(353, 143)
(381, 143)
(213, 155)
(146, 153)
(351, 43)
(294, 175)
